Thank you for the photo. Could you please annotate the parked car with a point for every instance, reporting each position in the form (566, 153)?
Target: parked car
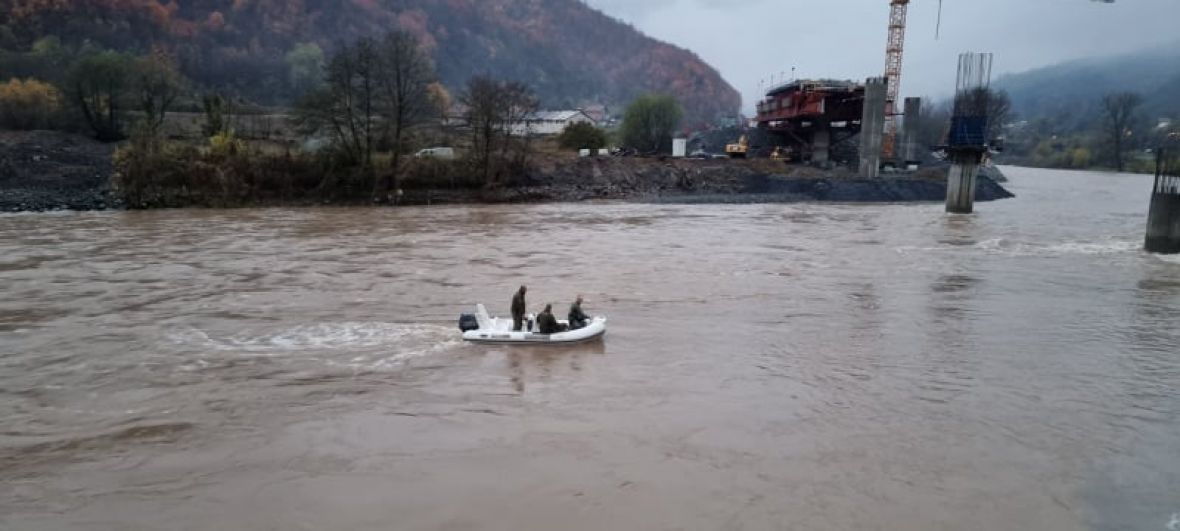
(705, 155)
(444, 153)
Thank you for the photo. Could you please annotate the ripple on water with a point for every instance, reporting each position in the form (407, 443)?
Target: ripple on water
(368, 346)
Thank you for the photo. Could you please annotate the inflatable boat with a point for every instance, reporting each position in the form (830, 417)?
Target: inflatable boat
(480, 328)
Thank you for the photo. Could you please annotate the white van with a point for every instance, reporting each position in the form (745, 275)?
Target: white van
(444, 153)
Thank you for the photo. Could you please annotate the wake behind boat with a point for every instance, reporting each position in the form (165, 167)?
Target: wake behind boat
(481, 328)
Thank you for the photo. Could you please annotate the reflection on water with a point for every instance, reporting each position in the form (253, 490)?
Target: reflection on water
(767, 366)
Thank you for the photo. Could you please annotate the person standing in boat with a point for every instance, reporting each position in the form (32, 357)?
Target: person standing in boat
(578, 319)
(547, 322)
(518, 309)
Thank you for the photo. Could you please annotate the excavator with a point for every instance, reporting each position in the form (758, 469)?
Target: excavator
(740, 150)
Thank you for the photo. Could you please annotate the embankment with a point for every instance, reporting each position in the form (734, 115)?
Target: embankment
(52, 171)
(700, 181)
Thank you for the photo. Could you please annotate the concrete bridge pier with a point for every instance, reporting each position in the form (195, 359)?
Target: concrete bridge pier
(821, 145)
(1163, 220)
(960, 184)
(913, 115)
(967, 140)
(872, 127)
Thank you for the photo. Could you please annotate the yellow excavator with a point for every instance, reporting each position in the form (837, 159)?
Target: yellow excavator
(739, 150)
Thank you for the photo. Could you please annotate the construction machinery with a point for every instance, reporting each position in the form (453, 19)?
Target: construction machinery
(740, 150)
(894, 52)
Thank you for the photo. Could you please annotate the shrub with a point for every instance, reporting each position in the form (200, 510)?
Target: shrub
(28, 104)
(582, 135)
(650, 121)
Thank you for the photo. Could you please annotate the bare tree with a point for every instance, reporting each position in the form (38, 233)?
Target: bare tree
(494, 110)
(157, 85)
(933, 123)
(345, 108)
(404, 76)
(999, 113)
(1119, 112)
(484, 108)
(519, 105)
(99, 84)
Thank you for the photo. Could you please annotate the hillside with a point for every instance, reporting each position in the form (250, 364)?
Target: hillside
(568, 52)
(1070, 93)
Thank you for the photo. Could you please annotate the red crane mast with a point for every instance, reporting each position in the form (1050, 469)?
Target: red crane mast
(894, 51)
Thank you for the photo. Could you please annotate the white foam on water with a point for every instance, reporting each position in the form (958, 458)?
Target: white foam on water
(1107, 247)
(1008, 247)
(1016, 248)
(322, 336)
(354, 346)
(1168, 258)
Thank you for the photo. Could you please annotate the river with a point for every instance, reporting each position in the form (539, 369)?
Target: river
(800, 366)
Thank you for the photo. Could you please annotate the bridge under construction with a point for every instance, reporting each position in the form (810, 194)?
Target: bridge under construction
(808, 118)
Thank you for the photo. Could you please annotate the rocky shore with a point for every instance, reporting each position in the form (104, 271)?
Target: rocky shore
(43, 171)
(717, 181)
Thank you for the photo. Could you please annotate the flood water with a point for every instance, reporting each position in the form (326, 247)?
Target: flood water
(806, 366)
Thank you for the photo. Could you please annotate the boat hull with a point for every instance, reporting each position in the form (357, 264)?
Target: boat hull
(501, 333)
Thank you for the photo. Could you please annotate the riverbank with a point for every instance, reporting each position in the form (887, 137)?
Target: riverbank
(703, 182)
(42, 171)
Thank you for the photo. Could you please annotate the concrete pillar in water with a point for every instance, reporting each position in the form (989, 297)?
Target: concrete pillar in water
(960, 185)
(967, 139)
(913, 115)
(872, 127)
(821, 145)
(1163, 220)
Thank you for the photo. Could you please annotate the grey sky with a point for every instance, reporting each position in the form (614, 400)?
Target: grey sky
(751, 40)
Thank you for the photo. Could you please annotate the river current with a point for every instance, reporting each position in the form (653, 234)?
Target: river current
(798, 366)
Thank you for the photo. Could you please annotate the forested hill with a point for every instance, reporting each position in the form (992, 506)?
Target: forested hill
(568, 52)
(1070, 93)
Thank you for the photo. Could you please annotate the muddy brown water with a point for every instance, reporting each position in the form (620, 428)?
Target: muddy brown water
(803, 366)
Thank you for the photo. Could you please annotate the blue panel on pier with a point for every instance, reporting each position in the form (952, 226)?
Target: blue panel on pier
(968, 131)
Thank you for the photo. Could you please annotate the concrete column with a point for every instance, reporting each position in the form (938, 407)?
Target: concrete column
(1163, 220)
(872, 127)
(960, 186)
(913, 115)
(821, 145)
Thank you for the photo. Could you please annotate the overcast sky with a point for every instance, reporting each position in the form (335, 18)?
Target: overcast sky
(751, 40)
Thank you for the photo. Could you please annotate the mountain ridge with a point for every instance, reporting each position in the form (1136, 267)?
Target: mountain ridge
(1072, 91)
(569, 52)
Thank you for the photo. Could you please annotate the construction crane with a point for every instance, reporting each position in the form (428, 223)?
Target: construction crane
(894, 51)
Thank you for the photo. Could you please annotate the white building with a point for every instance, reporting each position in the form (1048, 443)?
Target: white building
(550, 122)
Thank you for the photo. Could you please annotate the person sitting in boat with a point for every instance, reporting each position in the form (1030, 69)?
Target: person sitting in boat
(547, 322)
(518, 308)
(578, 319)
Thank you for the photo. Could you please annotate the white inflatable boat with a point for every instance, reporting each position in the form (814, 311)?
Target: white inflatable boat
(496, 330)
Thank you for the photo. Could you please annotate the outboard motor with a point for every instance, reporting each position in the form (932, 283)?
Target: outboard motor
(468, 322)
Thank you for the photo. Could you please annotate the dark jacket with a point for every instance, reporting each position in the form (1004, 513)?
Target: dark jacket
(548, 323)
(518, 306)
(577, 316)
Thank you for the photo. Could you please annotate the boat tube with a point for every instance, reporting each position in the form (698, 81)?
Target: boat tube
(481, 328)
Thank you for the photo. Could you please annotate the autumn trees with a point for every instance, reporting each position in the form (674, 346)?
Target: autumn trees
(29, 104)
